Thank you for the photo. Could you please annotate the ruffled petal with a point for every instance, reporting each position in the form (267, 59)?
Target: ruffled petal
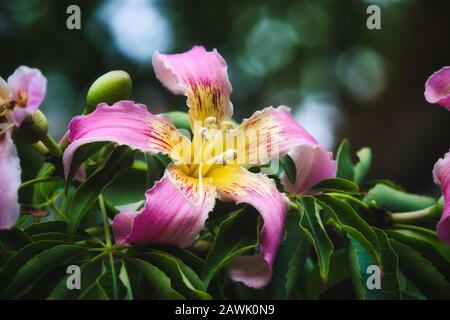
(441, 174)
(235, 183)
(272, 133)
(437, 88)
(202, 77)
(175, 211)
(10, 172)
(126, 123)
(313, 164)
(28, 87)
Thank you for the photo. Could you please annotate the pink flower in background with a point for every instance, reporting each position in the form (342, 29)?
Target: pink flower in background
(20, 96)
(441, 174)
(206, 167)
(437, 88)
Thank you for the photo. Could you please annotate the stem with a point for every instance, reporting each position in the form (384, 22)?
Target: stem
(37, 180)
(40, 147)
(52, 146)
(412, 216)
(108, 244)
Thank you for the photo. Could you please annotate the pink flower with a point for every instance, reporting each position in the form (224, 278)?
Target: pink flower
(212, 165)
(20, 96)
(437, 88)
(441, 174)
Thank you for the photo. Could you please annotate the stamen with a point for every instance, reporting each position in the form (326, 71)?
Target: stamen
(204, 133)
(210, 121)
(224, 158)
(227, 124)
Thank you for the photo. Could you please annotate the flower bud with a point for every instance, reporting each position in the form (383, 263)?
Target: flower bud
(180, 119)
(33, 128)
(110, 88)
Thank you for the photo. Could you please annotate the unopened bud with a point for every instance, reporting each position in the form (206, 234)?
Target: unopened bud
(33, 128)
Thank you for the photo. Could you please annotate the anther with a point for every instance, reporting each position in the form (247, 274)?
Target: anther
(206, 136)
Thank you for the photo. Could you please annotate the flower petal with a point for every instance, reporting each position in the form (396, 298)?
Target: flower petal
(441, 174)
(272, 133)
(175, 211)
(202, 77)
(313, 164)
(437, 88)
(125, 122)
(235, 183)
(33, 84)
(10, 172)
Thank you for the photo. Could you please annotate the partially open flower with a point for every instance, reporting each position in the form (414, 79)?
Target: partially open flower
(437, 88)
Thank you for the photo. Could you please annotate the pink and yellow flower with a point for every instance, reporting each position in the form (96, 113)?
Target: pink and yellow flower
(20, 96)
(214, 164)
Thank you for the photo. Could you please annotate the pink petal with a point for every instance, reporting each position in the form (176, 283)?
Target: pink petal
(125, 122)
(34, 84)
(241, 186)
(313, 164)
(279, 134)
(437, 88)
(202, 77)
(441, 174)
(175, 211)
(10, 172)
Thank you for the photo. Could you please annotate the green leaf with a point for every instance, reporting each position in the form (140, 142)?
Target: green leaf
(427, 250)
(41, 263)
(290, 260)
(347, 169)
(128, 186)
(55, 227)
(88, 192)
(184, 279)
(153, 171)
(157, 279)
(396, 200)
(14, 239)
(352, 223)
(336, 185)
(314, 230)
(109, 283)
(89, 273)
(421, 272)
(44, 190)
(235, 236)
(82, 154)
(361, 260)
(363, 166)
(125, 280)
(288, 166)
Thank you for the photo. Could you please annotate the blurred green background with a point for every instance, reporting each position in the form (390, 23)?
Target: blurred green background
(316, 56)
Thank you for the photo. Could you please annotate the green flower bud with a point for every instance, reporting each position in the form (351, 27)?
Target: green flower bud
(180, 119)
(110, 88)
(33, 128)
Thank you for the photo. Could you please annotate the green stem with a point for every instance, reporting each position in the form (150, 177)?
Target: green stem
(109, 245)
(413, 216)
(38, 180)
(40, 147)
(52, 145)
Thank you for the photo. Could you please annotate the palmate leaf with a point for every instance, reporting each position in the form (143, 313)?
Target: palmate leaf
(43, 191)
(88, 192)
(40, 264)
(14, 239)
(183, 278)
(312, 226)
(421, 272)
(236, 235)
(336, 185)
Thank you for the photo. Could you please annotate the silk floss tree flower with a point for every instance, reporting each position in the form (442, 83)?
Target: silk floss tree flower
(437, 90)
(213, 164)
(20, 96)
